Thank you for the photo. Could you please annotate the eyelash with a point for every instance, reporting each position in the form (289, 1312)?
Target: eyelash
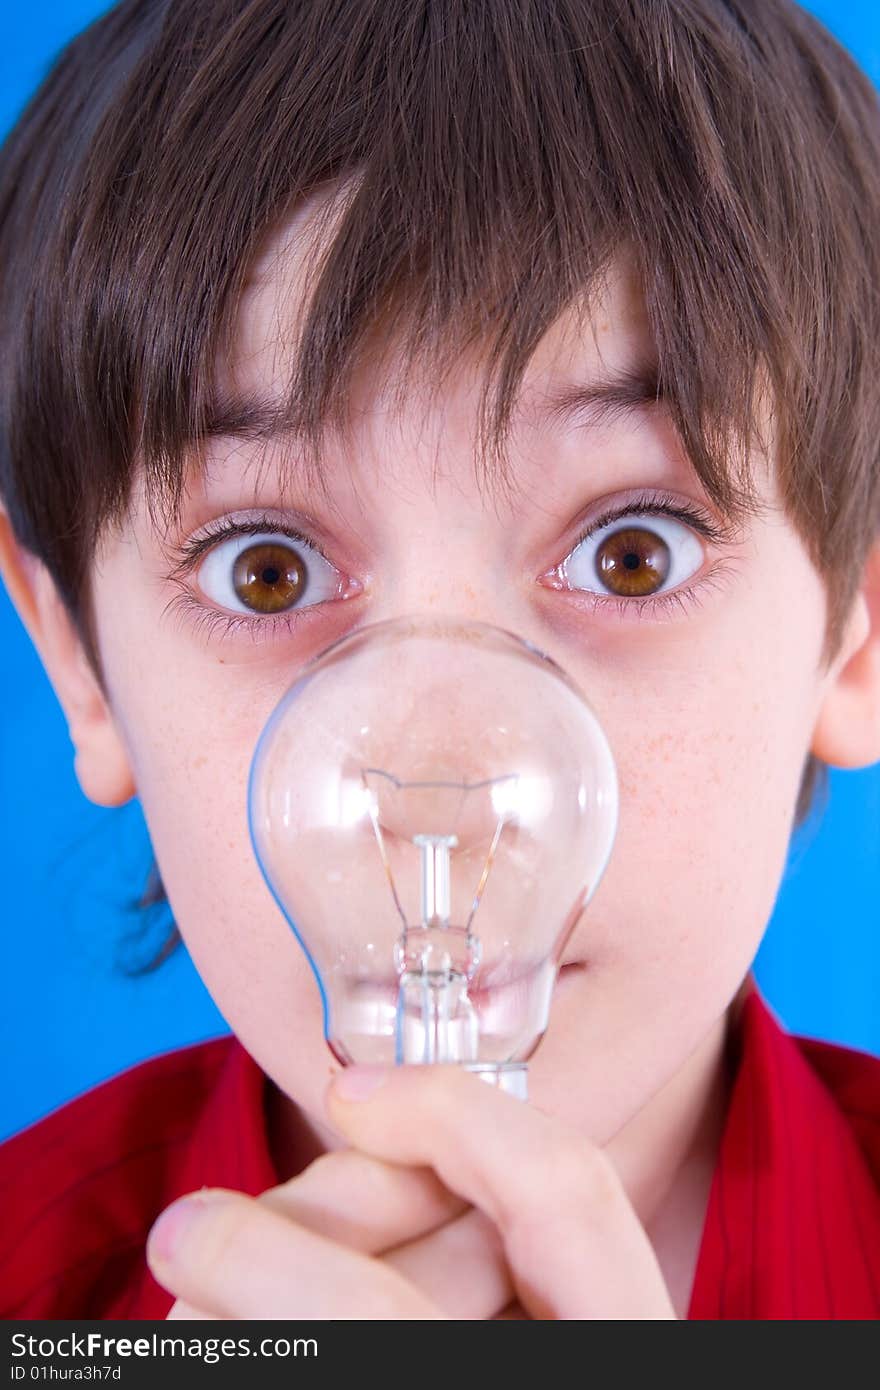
(266, 628)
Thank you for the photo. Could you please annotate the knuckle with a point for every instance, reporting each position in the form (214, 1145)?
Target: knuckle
(326, 1168)
(585, 1176)
(370, 1187)
(218, 1234)
(346, 1170)
(390, 1295)
(579, 1189)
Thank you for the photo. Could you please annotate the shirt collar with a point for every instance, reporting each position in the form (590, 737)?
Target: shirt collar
(792, 1227)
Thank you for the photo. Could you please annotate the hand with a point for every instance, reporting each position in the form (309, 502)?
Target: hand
(453, 1199)
(362, 1203)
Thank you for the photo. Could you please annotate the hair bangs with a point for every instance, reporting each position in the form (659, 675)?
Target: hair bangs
(494, 160)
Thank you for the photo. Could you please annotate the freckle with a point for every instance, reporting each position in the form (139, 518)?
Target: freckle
(200, 761)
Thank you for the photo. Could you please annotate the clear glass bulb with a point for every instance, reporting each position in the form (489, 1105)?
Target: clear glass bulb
(433, 804)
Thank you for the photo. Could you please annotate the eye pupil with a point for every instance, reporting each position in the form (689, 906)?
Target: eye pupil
(631, 561)
(271, 575)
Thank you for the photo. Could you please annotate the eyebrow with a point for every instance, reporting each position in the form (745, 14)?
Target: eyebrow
(245, 417)
(609, 399)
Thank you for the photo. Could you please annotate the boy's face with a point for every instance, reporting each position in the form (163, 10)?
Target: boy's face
(709, 705)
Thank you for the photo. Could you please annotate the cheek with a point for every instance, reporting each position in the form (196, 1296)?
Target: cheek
(709, 753)
(191, 737)
(709, 744)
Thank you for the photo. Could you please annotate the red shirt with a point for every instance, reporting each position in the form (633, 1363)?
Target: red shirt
(792, 1227)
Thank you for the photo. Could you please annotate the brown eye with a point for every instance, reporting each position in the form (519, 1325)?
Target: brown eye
(266, 574)
(633, 562)
(269, 577)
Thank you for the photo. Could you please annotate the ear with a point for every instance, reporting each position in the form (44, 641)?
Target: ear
(101, 760)
(847, 732)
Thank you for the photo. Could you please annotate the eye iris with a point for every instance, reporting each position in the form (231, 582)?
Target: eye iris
(268, 577)
(633, 561)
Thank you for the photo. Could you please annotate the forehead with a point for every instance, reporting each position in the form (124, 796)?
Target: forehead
(597, 361)
(609, 330)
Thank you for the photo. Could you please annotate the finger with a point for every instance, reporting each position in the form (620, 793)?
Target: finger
(460, 1267)
(232, 1256)
(574, 1244)
(363, 1202)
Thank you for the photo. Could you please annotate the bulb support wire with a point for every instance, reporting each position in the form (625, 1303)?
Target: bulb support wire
(436, 873)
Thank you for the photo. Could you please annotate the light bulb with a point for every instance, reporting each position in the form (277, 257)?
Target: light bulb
(433, 803)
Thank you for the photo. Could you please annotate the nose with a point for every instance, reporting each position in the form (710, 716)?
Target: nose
(459, 571)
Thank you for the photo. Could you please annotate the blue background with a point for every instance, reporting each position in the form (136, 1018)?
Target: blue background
(71, 871)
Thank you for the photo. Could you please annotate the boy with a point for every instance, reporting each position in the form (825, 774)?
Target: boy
(279, 275)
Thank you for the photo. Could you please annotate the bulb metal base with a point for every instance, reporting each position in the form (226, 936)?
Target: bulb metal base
(512, 1077)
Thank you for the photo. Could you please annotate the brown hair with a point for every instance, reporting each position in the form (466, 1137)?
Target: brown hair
(497, 157)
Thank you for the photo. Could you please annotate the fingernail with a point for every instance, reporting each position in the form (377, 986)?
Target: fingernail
(168, 1232)
(358, 1083)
